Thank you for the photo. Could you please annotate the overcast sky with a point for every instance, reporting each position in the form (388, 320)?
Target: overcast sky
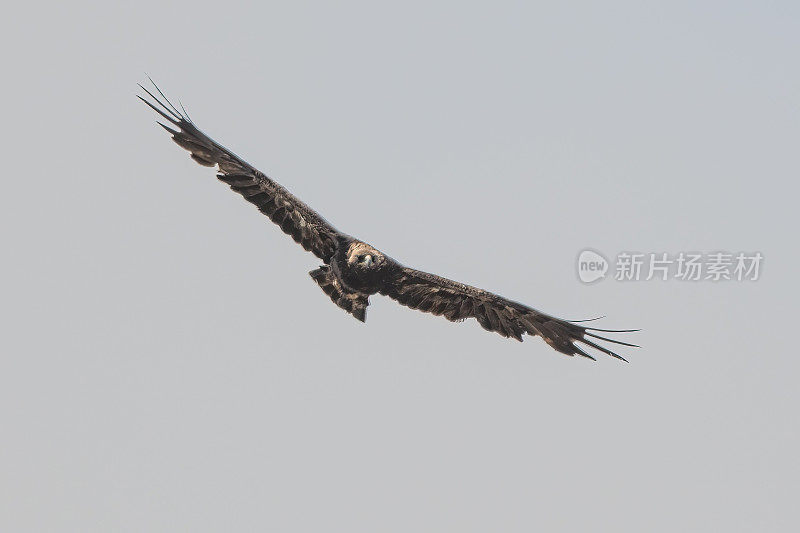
(168, 365)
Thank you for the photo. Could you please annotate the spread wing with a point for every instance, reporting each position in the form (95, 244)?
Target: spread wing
(456, 302)
(294, 217)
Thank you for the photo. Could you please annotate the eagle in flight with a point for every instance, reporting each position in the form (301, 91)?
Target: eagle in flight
(353, 270)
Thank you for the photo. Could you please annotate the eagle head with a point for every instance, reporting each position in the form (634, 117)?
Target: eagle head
(362, 256)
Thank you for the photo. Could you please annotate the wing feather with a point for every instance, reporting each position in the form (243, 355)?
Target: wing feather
(294, 217)
(457, 301)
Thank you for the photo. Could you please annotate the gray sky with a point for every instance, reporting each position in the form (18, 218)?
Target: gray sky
(168, 365)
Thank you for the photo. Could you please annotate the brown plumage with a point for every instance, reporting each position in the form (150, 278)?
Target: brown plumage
(353, 270)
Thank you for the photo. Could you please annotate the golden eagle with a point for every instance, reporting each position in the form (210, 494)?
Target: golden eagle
(353, 270)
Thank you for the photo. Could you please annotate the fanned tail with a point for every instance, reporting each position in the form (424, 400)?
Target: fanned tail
(354, 303)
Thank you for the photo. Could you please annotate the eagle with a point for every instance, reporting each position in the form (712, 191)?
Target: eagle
(353, 270)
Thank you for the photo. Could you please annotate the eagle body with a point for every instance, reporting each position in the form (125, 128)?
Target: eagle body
(353, 270)
(362, 267)
(356, 271)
